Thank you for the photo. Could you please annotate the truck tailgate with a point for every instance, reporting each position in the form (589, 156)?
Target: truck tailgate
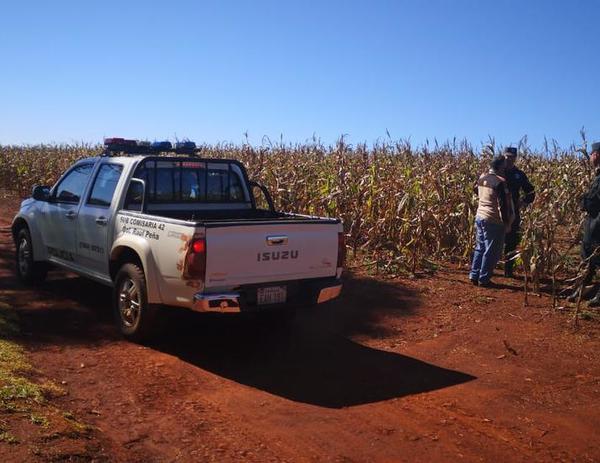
(241, 254)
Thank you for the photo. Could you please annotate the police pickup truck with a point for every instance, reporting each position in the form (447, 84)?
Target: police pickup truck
(165, 227)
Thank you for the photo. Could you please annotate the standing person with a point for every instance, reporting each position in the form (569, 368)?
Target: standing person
(590, 203)
(516, 181)
(492, 221)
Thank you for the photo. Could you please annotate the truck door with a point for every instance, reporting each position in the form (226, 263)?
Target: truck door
(60, 213)
(95, 217)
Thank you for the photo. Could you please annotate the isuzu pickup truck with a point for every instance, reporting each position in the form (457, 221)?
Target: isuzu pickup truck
(165, 227)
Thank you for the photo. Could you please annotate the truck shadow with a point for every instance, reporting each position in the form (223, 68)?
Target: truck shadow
(310, 365)
(314, 362)
(64, 310)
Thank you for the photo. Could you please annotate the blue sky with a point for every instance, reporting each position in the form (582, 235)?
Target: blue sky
(214, 70)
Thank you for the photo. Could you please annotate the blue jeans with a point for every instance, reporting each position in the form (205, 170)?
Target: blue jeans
(489, 240)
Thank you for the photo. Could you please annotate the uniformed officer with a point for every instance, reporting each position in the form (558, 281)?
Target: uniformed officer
(590, 203)
(517, 181)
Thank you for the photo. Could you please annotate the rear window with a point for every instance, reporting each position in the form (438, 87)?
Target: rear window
(192, 181)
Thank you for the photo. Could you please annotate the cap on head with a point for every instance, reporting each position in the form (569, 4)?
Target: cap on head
(510, 152)
(596, 147)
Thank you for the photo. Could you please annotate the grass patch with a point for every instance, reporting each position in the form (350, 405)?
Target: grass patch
(8, 438)
(589, 315)
(9, 321)
(21, 397)
(39, 420)
(77, 426)
(16, 390)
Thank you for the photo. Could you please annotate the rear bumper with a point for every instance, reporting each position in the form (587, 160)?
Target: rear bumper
(217, 302)
(300, 293)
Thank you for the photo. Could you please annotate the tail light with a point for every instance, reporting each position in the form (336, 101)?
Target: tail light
(195, 261)
(341, 250)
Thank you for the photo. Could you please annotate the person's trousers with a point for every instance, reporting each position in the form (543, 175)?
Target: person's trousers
(511, 241)
(587, 249)
(489, 239)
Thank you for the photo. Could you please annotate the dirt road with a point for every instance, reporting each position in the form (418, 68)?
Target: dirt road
(430, 369)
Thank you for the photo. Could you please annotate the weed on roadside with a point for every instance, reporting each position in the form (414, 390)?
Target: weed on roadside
(24, 400)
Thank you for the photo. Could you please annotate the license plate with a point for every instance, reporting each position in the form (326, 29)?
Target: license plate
(271, 295)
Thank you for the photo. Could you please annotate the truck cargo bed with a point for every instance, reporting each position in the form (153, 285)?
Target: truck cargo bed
(208, 217)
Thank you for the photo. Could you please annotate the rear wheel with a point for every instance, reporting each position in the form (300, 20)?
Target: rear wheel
(135, 318)
(28, 270)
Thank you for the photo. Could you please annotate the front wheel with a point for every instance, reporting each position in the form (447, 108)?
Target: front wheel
(135, 318)
(28, 270)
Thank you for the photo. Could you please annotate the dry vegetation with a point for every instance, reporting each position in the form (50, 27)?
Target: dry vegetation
(403, 208)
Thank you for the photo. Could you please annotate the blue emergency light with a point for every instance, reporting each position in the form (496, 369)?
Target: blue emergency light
(161, 146)
(185, 147)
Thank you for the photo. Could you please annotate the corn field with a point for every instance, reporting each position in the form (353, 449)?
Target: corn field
(404, 209)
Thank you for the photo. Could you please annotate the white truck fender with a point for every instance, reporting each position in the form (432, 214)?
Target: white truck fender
(40, 252)
(141, 247)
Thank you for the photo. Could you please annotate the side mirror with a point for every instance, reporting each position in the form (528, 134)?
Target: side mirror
(135, 199)
(265, 192)
(40, 193)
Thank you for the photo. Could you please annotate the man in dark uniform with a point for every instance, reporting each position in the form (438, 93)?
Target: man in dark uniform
(517, 181)
(590, 203)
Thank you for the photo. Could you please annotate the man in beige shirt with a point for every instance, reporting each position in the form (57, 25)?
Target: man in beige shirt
(493, 219)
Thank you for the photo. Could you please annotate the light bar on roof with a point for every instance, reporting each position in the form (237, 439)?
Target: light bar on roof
(113, 141)
(185, 147)
(119, 144)
(161, 146)
(126, 146)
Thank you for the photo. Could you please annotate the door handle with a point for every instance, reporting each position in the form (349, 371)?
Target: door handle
(71, 215)
(277, 240)
(101, 220)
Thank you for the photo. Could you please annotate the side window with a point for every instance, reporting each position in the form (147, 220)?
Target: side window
(146, 172)
(236, 192)
(70, 189)
(104, 185)
(134, 197)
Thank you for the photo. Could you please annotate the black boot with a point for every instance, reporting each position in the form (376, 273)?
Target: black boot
(595, 301)
(587, 293)
(573, 296)
(508, 269)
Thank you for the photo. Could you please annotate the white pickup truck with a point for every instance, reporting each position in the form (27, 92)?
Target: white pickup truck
(165, 227)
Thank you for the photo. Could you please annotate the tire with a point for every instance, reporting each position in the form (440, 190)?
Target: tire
(135, 318)
(28, 270)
